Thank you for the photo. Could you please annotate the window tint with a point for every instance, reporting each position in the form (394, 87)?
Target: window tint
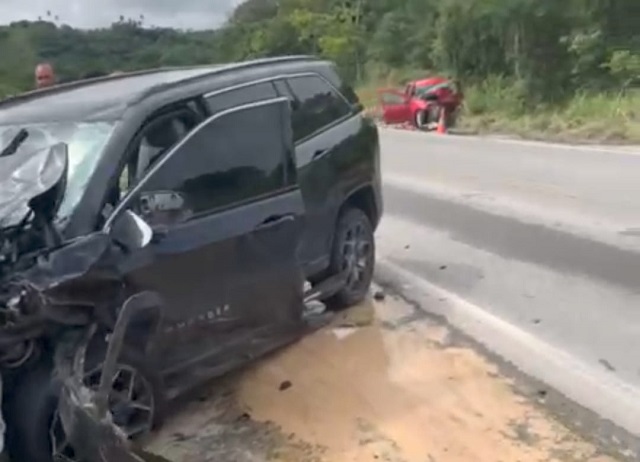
(319, 105)
(219, 165)
(240, 96)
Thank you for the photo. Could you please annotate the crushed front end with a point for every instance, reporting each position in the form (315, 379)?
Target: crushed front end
(53, 292)
(84, 411)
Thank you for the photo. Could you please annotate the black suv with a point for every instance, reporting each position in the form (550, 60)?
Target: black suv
(219, 188)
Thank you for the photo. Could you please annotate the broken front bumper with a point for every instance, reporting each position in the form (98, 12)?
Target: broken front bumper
(84, 413)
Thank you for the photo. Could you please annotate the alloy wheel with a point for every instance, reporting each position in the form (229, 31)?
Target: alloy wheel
(357, 254)
(131, 402)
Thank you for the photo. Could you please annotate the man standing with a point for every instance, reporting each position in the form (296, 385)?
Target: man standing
(45, 76)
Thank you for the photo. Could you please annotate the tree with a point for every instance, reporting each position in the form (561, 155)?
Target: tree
(544, 49)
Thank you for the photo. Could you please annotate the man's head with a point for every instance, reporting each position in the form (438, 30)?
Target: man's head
(45, 76)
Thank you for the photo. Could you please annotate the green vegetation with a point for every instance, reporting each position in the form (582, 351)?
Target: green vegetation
(126, 45)
(566, 68)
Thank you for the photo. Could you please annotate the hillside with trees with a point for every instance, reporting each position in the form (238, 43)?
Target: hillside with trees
(526, 60)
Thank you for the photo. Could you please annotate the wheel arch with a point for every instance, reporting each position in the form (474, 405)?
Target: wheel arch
(363, 198)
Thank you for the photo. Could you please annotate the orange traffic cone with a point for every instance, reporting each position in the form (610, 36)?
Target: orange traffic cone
(442, 122)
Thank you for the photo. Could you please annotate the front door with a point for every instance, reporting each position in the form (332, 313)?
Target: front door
(395, 107)
(226, 212)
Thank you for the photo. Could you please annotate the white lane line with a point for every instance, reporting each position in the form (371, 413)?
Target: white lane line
(548, 213)
(602, 392)
(625, 150)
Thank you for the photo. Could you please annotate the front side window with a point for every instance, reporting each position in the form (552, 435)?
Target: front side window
(85, 141)
(318, 105)
(219, 165)
(160, 136)
(155, 139)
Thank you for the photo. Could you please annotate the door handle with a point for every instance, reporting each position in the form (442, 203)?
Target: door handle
(275, 220)
(319, 153)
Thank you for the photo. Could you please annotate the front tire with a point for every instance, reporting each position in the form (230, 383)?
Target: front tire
(32, 413)
(354, 252)
(421, 120)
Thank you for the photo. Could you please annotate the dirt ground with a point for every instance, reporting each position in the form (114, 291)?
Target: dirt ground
(382, 383)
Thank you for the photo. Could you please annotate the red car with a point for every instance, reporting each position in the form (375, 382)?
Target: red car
(421, 101)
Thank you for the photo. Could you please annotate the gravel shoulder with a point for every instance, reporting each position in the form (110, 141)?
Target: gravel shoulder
(385, 381)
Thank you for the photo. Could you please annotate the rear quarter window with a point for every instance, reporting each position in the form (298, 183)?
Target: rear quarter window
(331, 73)
(318, 105)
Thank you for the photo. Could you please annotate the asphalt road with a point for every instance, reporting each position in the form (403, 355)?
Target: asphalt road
(533, 249)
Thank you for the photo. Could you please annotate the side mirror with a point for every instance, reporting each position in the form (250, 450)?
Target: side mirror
(161, 201)
(163, 207)
(131, 231)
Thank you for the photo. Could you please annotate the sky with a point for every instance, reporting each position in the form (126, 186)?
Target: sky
(181, 14)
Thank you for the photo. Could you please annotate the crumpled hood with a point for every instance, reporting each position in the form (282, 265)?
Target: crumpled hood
(71, 262)
(24, 176)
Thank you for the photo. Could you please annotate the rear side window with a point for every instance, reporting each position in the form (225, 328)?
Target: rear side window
(219, 166)
(238, 97)
(318, 105)
(332, 74)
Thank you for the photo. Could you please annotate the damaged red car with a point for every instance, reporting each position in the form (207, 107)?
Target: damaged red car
(421, 103)
(188, 207)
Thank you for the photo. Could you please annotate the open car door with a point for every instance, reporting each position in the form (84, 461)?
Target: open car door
(395, 106)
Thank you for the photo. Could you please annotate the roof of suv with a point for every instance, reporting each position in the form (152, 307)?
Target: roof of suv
(107, 97)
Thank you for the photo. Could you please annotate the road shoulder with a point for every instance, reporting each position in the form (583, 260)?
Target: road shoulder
(385, 381)
(584, 399)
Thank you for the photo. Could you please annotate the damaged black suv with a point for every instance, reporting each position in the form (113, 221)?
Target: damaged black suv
(220, 189)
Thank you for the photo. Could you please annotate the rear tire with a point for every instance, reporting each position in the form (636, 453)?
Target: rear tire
(354, 251)
(33, 407)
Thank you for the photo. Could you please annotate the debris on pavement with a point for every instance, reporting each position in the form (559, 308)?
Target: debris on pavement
(285, 385)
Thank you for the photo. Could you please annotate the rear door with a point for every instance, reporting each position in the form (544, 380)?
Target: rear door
(324, 130)
(395, 106)
(226, 261)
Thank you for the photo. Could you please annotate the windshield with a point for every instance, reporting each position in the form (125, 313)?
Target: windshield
(85, 141)
(423, 90)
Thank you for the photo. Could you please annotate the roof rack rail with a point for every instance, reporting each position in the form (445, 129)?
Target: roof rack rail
(225, 68)
(271, 60)
(31, 94)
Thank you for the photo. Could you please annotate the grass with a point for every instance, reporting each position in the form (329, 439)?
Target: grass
(497, 107)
